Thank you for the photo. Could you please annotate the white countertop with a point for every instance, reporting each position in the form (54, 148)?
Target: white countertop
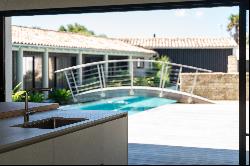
(14, 137)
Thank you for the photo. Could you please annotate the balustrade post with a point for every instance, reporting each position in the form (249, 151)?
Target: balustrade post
(162, 72)
(164, 80)
(131, 69)
(179, 77)
(100, 79)
(73, 77)
(70, 88)
(190, 100)
(194, 82)
(103, 77)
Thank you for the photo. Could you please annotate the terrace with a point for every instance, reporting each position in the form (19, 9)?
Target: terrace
(133, 108)
(186, 134)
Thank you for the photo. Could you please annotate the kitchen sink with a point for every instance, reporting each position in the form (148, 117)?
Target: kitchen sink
(51, 123)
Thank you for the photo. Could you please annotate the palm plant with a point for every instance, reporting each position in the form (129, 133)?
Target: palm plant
(163, 59)
(233, 26)
(18, 93)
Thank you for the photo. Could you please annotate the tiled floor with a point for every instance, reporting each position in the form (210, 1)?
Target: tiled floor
(173, 155)
(185, 134)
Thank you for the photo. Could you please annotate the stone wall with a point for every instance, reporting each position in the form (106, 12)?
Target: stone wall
(232, 64)
(214, 86)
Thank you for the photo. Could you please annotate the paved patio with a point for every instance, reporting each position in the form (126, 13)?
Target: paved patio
(176, 134)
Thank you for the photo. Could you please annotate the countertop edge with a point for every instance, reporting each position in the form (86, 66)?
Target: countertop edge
(54, 134)
(19, 112)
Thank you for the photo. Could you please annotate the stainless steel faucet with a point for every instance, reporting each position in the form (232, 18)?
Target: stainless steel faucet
(28, 112)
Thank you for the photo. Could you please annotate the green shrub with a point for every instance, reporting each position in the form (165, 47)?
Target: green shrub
(18, 95)
(115, 83)
(36, 97)
(61, 96)
(164, 59)
(144, 81)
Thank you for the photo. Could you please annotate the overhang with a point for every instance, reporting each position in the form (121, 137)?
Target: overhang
(31, 7)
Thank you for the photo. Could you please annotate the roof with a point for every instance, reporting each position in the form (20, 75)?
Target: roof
(160, 43)
(50, 38)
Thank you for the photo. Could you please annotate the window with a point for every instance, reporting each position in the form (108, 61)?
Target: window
(140, 63)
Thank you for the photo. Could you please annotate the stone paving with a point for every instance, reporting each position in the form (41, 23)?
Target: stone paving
(182, 134)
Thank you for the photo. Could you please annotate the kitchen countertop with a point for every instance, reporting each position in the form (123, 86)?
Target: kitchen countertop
(14, 109)
(14, 137)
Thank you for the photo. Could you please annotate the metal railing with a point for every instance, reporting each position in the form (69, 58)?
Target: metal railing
(129, 73)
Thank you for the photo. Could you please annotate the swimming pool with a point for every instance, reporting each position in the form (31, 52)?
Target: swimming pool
(130, 104)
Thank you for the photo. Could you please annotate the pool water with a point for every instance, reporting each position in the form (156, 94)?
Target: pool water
(130, 104)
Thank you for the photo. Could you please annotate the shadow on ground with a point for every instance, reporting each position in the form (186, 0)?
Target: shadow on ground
(143, 154)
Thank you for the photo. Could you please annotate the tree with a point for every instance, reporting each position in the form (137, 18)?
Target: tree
(62, 29)
(76, 28)
(233, 26)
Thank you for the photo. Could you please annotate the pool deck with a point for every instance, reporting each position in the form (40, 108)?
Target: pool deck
(181, 134)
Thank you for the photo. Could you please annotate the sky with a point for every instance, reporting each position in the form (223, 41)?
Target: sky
(200, 22)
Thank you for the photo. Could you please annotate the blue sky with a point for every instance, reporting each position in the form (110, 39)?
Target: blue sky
(200, 22)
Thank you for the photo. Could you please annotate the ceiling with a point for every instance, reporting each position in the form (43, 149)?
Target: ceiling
(32, 7)
(45, 4)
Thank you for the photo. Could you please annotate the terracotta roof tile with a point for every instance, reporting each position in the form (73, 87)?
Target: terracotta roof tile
(154, 43)
(41, 37)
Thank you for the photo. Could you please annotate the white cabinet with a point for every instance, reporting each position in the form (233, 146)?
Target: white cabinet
(115, 142)
(82, 147)
(105, 143)
(39, 153)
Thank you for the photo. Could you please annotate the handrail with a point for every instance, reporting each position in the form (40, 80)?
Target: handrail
(131, 60)
(165, 75)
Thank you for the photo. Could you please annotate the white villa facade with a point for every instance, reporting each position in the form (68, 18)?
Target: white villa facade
(37, 53)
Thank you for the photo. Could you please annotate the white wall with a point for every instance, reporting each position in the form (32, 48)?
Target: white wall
(236, 52)
(8, 59)
(43, 4)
